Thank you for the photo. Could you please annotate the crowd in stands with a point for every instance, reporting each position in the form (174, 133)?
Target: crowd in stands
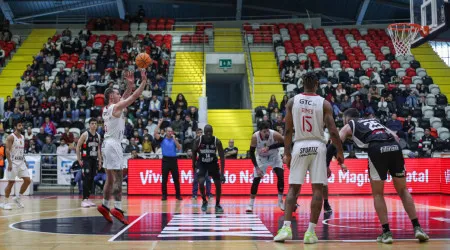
(64, 86)
(8, 42)
(138, 22)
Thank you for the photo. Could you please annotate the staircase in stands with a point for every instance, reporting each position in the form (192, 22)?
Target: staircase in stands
(227, 40)
(11, 74)
(266, 77)
(188, 76)
(435, 67)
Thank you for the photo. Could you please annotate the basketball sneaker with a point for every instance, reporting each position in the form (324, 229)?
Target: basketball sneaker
(204, 206)
(385, 238)
(420, 234)
(105, 212)
(310, 238)
(92, 204)
(7, 206)
(249, 209)
(285, 233)
(119, 215)
(85, 204)
(18, 202)
(281, 205)
(327, 208)
(194, 197)
(219, 209)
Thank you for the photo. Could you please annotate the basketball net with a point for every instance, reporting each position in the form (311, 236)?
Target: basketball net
(403, 35)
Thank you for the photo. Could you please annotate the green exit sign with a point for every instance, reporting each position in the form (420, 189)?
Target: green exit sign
(224, 63)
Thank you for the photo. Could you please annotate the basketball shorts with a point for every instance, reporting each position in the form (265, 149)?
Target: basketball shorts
(309, 155)
(212, 169)
(384, 157)
(20, 171)
(264, 162)
(112, 153)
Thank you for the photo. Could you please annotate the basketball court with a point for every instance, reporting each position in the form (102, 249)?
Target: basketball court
(58, 221)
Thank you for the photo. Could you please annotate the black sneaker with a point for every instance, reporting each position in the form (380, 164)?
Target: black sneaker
(210, 197)
(327, 208)
(179, 198)
(164, 198)
(194, 197)
(204, 206)
(385, 238)
(219, 209)
(420, 234)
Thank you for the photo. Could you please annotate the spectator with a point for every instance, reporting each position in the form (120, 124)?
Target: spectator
(147, 145)
(408, 127)
(142, 107)
(346, 103)
(383, 109)
(396, 126)
(132, 146)
(411, 100)
(283, 104)
(231, 152)
(67, 136)
(272, 104)
(181, 102)
(49, 148)
(426, 144)
(358, 104)
(18, 92)
(155, 107)
(178, 127)
(63, 148)
(49, 126)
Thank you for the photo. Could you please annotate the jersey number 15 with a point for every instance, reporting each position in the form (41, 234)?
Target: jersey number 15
(306, 123)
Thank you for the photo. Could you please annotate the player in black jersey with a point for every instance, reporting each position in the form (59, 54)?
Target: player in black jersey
(207, 146)
(90, 159)
(385, 154)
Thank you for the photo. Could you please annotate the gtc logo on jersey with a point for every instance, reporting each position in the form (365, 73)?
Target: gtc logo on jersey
(306, 102)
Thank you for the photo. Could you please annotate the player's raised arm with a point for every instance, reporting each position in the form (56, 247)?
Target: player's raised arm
(222, 160)
(129, 78)
(130, 100)
(334, 134)
(289, 132)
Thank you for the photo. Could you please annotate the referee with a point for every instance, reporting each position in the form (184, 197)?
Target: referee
(169, 146)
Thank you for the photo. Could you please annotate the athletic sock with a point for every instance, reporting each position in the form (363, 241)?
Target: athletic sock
(311, 227)
(118, 204)
(287, 223)
(105, 203)
(386, 228)
(415, 222)
(280, 197)
(252, 201)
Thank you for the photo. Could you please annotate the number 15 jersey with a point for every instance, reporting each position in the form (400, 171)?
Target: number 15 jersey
(366, 131)
(307, 115)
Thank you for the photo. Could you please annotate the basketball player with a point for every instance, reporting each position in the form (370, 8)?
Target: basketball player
(266, 142)
(207, 146)
(385, 155)
(307, 113)
(112, 153)
(89, 158)
(17, 166)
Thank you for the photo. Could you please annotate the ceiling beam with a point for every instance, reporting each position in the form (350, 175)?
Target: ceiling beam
(7, 12)
(121, 9)
(66, 8)
(362, 11)
(238, 9)
(394, 4)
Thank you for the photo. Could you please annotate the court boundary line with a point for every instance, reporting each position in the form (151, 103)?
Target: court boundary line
(127, 227)
(320, 241)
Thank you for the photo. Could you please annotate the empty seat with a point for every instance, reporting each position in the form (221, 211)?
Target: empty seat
(427, 112)
(302, 57)
(405, 64)
(447, 112)
(335, 64)
(421, 72)
(385, 50)
(431, 100)
(350, 71)
(434, 89)
(386, 64)
(304, 37)
(400, 72)
(443, 133)
(435, 122)
(365, 64)
(418, 133)
(417, 80)
(376, 64)
(364, 80)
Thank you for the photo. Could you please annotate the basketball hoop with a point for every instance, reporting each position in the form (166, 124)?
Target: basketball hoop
(404, 34)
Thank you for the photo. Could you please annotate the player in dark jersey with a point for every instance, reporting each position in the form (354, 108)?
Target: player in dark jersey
(90, 159)
(207, 146)
(385, 154)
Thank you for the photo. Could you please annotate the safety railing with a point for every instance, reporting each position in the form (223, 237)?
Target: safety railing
(442, 48)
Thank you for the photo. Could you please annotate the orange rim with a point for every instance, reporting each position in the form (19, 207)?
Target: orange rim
(423, 30)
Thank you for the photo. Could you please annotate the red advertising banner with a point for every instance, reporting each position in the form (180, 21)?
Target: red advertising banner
(423, 176)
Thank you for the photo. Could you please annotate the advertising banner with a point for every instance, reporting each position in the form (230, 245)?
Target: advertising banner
(422, 176)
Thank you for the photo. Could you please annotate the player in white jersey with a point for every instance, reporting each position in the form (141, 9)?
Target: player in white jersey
(112, 154)
(307, 113)
(266, 143)
(17, 166)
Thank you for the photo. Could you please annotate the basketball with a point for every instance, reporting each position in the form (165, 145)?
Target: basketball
(143, 60)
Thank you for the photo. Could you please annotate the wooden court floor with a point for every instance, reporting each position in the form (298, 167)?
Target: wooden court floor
(58, 222)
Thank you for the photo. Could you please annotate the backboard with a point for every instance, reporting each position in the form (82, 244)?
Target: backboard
(432, 13)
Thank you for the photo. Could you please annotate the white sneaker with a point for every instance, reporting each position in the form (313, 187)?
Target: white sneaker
(249, 209)
(18, 202)
(85, 204)
(2, 205)
(92, 204)
(7, 206)
(281, 205)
